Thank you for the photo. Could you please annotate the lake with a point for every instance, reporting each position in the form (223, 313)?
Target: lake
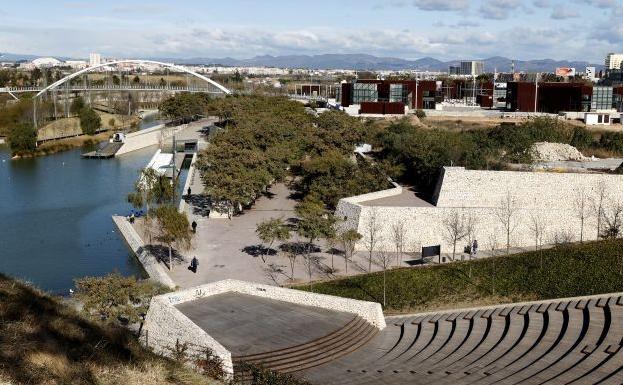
(55, 216)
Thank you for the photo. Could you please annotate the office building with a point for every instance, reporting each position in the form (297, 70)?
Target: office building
(472, 67)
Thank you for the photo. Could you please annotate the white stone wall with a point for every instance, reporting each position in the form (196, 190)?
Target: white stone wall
(548, 197)
(165, 326)
(370, 311)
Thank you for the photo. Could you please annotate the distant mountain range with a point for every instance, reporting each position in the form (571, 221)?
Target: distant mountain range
(360, 62)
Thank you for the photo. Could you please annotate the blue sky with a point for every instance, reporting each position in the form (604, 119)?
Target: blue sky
(445, 29)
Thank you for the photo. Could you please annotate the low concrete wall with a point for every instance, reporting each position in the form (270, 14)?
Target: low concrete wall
(189, 180)
(141, 139)
(153, 268)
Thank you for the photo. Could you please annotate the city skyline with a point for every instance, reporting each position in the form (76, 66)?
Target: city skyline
(446, 30)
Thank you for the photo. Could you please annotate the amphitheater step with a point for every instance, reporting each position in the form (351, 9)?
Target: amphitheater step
(313, 353)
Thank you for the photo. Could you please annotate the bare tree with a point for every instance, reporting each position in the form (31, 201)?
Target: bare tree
(371, 236)
(537, 226)
(493, 244)
(581, 207)
(506, 213)
(383, 258)
(310, 262)
(597, 205)
(348, 239)
(612, 220)
(457, 228)
(399, 234)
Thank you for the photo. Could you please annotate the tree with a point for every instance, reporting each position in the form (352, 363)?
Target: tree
(90, 121)
(506, 213)
(22, 138)
(310, 262)
(271, 230)
(348, 240)
(597, 205)
(315, 221)
(371, 235)
(493, 244)
(173, 229)
(581, 203)
(612, 218)
(136, 79)
(77, 105)
(456, 226)
(151, 188)
(399, 233)
(114, 296)
(112, 122)
(537, 226)
(383, 258)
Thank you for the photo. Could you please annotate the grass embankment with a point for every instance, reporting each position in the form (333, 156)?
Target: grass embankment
(567, 271)
(45, 342)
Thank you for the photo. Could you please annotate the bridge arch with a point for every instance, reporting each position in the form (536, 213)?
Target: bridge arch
(134, 61)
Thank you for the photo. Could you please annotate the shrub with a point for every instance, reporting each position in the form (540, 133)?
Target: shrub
(612, 141)
(420, 113)
(581, 138)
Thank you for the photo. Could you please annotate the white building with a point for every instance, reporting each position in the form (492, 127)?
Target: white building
(46, 62)
(590, 73)
(95, 59)
(76, 64)
(613, 61)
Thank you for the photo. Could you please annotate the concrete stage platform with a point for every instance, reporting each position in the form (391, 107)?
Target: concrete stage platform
(247, 325)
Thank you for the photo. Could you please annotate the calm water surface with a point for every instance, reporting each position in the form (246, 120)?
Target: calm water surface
(55, 216)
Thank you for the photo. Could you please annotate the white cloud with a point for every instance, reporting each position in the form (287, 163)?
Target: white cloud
(442, 5)
(498, 9)
(562, 13)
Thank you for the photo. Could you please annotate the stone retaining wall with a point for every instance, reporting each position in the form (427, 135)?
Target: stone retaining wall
(548, 198)
(154, 269)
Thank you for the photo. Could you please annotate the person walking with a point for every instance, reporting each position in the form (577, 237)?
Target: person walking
(194, 263)
(188, 191)
(194, 226)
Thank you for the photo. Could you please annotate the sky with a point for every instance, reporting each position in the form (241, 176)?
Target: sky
(443, 29)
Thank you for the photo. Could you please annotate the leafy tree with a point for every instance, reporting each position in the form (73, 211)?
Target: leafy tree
(114, 296)
(77, 105)
(173, 228)
(23, 138)
(315, 222)
(185, 105)
(90, 121)
(271, 230)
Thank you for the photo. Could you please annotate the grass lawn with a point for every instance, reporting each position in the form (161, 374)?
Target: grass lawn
(564, 271)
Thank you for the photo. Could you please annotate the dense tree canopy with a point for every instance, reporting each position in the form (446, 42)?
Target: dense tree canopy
(23, 138)
(90, 121)
(185, 105)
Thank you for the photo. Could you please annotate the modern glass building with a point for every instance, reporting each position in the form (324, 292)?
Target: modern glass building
(365, 92)
(602, 98)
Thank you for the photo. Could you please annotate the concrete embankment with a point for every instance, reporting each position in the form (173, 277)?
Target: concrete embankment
(154, 269)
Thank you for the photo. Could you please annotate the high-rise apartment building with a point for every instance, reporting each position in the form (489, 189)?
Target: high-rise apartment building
(613, 61)
(95, 59)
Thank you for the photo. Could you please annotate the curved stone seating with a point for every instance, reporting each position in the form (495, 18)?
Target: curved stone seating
(571, 341)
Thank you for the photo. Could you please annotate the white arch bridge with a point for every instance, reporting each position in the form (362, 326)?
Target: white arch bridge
(65, 84)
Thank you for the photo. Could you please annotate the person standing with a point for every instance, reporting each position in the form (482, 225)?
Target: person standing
(194, 226)
(194, 263)
(188, 191)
